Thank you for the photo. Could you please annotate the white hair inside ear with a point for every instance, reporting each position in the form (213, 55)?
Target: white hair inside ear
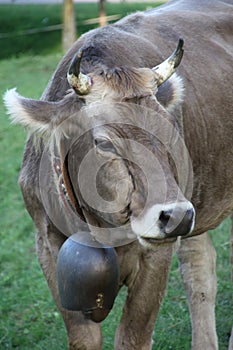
(171, 93)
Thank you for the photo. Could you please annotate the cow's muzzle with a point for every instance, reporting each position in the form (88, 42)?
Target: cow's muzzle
(166, 221)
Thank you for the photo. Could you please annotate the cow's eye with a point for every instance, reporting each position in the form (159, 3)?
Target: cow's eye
(105, 145)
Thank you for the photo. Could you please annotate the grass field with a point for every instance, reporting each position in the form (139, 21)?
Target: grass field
(15, 19)
(28, 317)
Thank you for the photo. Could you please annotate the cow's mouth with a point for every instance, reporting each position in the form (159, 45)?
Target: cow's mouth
(156, 241)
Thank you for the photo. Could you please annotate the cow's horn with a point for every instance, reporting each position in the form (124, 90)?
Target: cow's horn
(80, 82)
(168, 67)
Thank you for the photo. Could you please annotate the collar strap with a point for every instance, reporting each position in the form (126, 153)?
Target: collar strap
(69, 187)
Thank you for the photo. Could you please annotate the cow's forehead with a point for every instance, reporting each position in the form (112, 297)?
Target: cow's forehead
(127, 113)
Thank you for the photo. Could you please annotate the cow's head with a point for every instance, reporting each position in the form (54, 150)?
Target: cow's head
(119, 138)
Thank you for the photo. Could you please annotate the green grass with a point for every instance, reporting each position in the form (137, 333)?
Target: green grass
(16, 18)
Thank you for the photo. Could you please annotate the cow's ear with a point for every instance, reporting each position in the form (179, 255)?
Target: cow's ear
(26, 112)
(38, 115)
(170, 94)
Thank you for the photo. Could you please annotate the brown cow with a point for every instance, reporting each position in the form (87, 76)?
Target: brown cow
(122, 125)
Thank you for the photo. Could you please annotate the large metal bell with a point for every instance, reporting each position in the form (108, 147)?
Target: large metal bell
(88, 278)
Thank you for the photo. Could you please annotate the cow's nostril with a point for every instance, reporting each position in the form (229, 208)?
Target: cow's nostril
(176, 222)
(164, 217)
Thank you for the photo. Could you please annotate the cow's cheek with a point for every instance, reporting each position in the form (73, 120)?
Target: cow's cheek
(124, 186)
(114, 182)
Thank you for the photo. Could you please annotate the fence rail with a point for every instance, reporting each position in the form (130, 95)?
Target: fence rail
(54, 27)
